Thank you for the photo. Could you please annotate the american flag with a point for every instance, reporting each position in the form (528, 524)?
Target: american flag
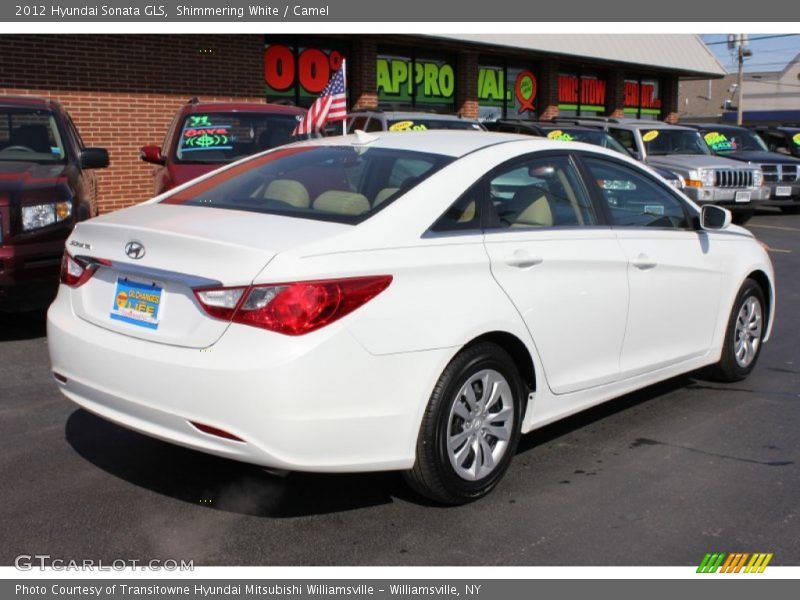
(330, 106)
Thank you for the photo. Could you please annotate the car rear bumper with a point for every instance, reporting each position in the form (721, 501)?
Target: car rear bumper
(792, 199)
(29, 275)
(311, 403)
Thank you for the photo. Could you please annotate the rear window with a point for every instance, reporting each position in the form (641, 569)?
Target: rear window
(224, 137)
(344, 184)
(30, 135)
(424, 124)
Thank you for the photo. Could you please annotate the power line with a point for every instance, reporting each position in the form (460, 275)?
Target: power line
(756, 39)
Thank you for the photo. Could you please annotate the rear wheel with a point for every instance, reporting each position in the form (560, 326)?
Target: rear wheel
(471, 427)
(746, 327)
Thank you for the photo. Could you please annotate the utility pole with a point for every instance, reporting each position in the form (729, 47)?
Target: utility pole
(738, 42)
(739, 80)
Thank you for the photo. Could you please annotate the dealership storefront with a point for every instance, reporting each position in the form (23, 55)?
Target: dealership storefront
(122, 90)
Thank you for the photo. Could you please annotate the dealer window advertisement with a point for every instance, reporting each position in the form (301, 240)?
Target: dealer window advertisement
(419, 82)
(297, 73)
(642, 98)
(507, 92)
(581, 93)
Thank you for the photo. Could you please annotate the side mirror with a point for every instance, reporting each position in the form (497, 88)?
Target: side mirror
(94, 158)
(152, 154)
(714, 217)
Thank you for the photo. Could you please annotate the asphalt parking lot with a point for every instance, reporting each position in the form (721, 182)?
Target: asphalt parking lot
(658, 477)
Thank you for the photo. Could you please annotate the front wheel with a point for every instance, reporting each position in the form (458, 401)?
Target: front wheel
(746, 327)
(471, 427)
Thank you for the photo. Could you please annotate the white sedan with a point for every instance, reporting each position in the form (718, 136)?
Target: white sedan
(401, 301)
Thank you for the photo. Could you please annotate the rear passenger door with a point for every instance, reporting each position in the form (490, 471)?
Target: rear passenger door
(563, 270)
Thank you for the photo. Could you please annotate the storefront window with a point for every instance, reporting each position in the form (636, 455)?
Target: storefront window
(581, 93)
(296, 73)
(507, 92)
(642, 98)
(415, 82)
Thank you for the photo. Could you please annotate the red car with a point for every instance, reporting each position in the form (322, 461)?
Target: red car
(205, 136)
(47, 184)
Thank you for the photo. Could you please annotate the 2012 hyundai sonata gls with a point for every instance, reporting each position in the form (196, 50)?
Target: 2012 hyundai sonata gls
(398, 301)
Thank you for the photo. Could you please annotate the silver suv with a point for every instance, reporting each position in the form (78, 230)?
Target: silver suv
(377, 120)
(707, 178)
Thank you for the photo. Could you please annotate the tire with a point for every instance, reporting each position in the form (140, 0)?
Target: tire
(748, 318)
(480, 456)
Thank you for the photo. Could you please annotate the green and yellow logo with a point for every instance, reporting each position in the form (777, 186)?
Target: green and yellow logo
(735, 562)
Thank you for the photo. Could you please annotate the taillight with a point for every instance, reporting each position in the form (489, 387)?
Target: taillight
(75, 271)
(292, 308)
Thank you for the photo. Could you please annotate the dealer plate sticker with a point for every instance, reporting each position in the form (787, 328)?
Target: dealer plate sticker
(783, 191)
(742, 197)
(137, 303)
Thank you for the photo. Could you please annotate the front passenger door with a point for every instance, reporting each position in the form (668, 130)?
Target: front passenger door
(674, 271)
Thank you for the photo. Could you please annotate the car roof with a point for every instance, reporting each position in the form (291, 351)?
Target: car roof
(713, 126)
(250, 107)
(410, 114)
(29, 101)
(447, 142)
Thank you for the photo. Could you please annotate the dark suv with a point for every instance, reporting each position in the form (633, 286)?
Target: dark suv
(781, 172)
(785, 140)
(204, 136)
(46, 186)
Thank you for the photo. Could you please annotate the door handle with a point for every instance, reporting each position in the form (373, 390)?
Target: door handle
(523, 260)
(644, 262)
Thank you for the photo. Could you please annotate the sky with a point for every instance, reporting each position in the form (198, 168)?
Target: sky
(772, 53)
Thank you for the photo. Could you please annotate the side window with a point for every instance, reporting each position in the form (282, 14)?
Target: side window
(374, 124)
(635, 200)
(357, 123)
(75, 133)
(464, 214)
(624, 137)
(540, 192)
(777, 143)
(166, 148)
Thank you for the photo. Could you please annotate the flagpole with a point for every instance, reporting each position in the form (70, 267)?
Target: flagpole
(344, 79)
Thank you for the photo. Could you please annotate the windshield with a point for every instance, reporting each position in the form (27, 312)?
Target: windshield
(345, 184)
(660, 142)
(725, 141)
(415, 124)
(30, 135)
(226, 137)
(597, 138)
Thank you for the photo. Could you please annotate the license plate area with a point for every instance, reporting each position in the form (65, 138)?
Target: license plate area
(742, 197)
(137, 303)
(783, 191)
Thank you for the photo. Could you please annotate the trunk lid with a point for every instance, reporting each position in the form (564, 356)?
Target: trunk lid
(183, 248)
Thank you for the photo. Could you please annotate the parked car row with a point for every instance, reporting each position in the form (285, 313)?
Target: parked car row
(47, 182)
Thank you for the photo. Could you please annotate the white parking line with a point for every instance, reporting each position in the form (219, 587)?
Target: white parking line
(778, 250)
(776, 227)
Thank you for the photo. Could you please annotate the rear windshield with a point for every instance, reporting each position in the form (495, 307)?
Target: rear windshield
(724, 141)
(597, 138)
(30, 135)
(424, 124)
(224, 137)
(660, 142)
(344, 184)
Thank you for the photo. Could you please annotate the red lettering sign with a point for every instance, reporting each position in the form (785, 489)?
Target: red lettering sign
(312, 70)
(568, 89)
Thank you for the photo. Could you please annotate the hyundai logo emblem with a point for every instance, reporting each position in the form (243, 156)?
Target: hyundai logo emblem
(134, 250)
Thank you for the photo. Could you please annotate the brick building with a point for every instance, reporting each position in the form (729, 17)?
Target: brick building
(123, 90)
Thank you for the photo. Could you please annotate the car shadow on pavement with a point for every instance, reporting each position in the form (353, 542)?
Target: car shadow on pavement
(23, 326)
(601, 411)
(220, 483)
(235, 487)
